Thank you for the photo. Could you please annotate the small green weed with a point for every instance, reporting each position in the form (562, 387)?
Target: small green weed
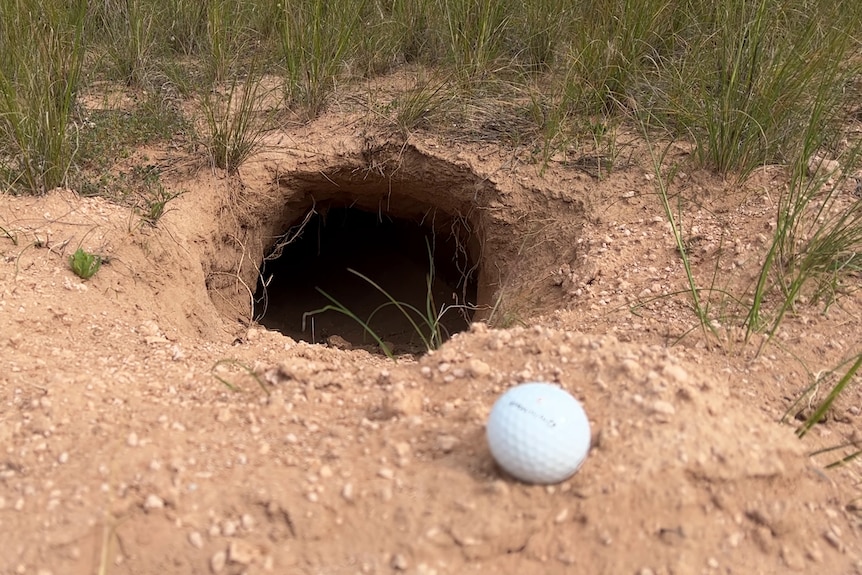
(84, 264)
(154, 203)
(154, 207)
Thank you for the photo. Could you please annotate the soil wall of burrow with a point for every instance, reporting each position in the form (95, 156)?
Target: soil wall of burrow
(398, 246)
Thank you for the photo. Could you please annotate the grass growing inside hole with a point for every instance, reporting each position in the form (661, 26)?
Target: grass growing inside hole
(427, 324)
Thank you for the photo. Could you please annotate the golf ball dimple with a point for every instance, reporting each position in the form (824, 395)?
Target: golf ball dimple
(538, 433)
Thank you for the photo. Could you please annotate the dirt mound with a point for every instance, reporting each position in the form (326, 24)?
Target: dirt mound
(126, 452)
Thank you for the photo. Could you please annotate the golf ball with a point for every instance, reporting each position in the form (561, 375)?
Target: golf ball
(538, 433)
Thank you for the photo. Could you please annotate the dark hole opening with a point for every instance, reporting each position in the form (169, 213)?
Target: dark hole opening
(397, 254)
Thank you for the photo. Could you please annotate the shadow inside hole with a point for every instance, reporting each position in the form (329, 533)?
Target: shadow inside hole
(393, 253)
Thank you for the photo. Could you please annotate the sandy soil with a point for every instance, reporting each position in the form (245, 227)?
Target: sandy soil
(124, 451)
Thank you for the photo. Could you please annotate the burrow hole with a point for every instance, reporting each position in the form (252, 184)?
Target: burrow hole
(426, 262)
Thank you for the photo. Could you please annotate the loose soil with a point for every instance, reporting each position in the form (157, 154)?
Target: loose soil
(126, 451)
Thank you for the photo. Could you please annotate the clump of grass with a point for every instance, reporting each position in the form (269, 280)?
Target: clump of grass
(414, 107)
(182, 24)
(542, 27)
(747, 74)
(404, 32)
(818, 235)
(746, 92)
(128, 35)
(317, 39)
(475, 31)
(235, 121)
(613, 46)
(85, 264)
(41, 55)
(228, 37)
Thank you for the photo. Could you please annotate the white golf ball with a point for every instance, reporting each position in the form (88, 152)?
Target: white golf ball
(538, 433)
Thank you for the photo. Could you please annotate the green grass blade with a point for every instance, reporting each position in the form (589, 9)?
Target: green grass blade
(342, 309)
(830, 398)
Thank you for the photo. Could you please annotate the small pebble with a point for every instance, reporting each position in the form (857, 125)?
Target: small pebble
(834, 540)
(446, 443)
(241, 552)
(402, 448)
(132, 439)
(347, 492)
(218, 561)
(498, 487)
(663, 407)
(228, 528)
(676, 373)
(478, 368)
(813, 552)
(153, 501)
(247, 521)
(399, 562)
(196, 540)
